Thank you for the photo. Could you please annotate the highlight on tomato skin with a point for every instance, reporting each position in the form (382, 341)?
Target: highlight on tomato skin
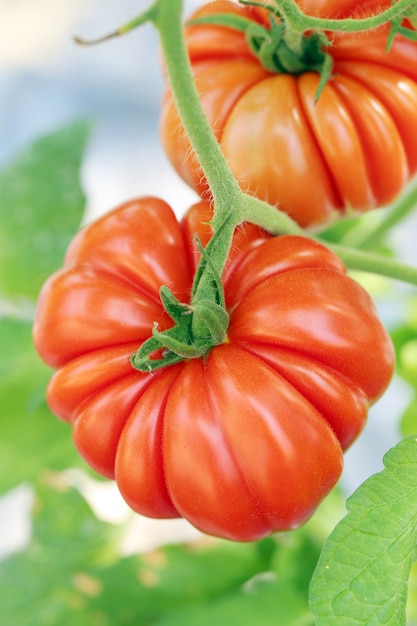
(352, 150)
(247, 439)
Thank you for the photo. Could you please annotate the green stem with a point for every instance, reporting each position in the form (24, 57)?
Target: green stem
(268, 217)
(375, 264)
(222, 184)
(366, 239)
(224, 188)
(231, 205)
(294, 16)
(143, 18)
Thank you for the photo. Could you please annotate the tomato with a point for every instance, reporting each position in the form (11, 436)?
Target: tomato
(247, 439)
(353, 149)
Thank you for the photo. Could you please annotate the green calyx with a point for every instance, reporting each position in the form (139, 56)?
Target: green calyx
(282, 52)
(198, 326)
(280, 49)
(197, 329)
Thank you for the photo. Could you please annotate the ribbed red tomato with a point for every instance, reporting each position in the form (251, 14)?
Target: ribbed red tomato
(247, 439)
(353, 149)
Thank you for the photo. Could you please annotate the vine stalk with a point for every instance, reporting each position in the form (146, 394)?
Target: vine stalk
(291, 13)
(365, 239)
(227, 195)
(232, 206)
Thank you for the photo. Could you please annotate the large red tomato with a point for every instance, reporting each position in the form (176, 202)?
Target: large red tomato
(353, 149)
(247, 439)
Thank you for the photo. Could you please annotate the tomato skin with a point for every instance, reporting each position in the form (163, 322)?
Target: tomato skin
(354, 149)
(246, 440)
(232, 415)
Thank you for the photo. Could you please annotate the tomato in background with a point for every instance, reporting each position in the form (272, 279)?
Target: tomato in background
(354, 149)
(247, 439)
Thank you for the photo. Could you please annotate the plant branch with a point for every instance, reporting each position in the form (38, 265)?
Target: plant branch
(143, 18)
(231, 205)
(366, 239)
(299, 21)
(375, 264)
(223, 186)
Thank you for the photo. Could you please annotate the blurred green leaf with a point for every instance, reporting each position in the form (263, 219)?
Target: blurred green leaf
(357, 231)
(31, 438)
(277, 595)
(336, 231)
(408, 424)
(71, 573)
(404, 338)
(47, 584)
(41, 206)
(407, 360)
(267, 605)
(173, 579)
(363, 571)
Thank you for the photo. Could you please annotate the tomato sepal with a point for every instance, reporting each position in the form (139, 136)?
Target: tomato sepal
(279, 48)
(197, 329)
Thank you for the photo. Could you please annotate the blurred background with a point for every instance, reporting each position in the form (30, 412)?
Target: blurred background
(46, 82)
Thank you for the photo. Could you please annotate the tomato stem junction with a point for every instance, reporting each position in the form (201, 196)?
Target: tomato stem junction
(202, 324)
(198, 326)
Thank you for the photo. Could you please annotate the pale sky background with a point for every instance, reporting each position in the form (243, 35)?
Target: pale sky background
(47, 81)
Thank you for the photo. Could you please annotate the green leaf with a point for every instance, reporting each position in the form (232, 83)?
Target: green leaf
(47, 584)
(336, 231)
(218, 582)
(408, 423)
(407, 357)
(31, 437)
(363, 571)
(228, 20)
(211, 582)
(274, 595)
(174, 580)
(71, 573)
(267, 604)
(41, 206)
(412, 597)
